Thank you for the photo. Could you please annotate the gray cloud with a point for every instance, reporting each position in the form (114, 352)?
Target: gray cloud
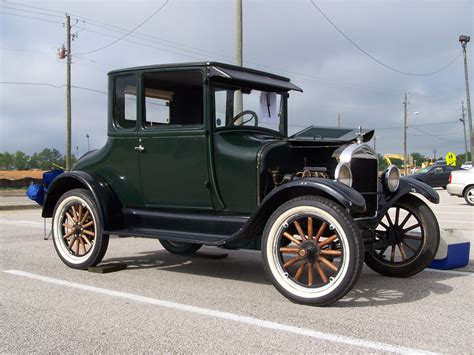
(285, 37)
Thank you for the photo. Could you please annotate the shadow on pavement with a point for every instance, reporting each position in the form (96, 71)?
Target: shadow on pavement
(370, 290)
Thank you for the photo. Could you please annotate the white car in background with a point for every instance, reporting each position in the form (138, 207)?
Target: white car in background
(467, 165)
(461, 183)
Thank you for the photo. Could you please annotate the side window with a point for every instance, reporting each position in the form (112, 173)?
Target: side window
(173, 99)
(438, 170)
(125, 102)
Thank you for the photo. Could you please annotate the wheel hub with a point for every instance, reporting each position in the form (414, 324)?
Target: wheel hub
(309, 251)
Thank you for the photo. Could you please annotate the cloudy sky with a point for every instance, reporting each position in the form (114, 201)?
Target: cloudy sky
(289, 37)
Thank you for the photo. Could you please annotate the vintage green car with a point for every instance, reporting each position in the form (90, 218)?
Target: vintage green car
(199, 154)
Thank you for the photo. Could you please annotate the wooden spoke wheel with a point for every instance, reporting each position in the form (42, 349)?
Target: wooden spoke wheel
(312, 250)
(405, 240)
(77, 230)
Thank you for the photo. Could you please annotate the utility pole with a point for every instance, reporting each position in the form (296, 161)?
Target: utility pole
(405, 129)
(463, 120)
(238, 99)
(464, 41)
(434, 154)
(68, 93)
(339, 120)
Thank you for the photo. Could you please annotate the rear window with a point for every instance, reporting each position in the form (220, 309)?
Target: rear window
(125, 102)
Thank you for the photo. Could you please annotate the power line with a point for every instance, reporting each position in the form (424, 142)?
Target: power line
(30, 11)
(34, 7)
(128, 33)
(52, 85)
(30, 17)
(378, 60)
(434, 136)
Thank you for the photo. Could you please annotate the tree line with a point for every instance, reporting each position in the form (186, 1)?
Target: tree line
(44, 160)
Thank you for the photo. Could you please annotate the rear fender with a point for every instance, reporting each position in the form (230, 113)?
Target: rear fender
(109, 205)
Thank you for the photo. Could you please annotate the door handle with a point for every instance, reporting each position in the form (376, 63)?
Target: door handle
(140, 148)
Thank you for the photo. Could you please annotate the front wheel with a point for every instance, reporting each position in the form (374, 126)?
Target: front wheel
(469, 195)
(406, 239)
(77, 230)
(312, 250)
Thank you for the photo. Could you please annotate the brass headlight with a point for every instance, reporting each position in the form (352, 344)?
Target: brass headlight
(343, 174)
(392, 178)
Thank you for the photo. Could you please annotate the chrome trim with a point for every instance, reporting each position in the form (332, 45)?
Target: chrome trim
(362, 151)
(387, 176)
(338, 170)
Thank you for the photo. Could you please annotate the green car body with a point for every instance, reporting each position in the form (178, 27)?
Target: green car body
(188, 162)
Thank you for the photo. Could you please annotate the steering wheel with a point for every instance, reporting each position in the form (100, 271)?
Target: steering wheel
(243, 113)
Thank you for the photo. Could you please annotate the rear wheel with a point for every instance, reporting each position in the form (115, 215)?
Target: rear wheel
(180, 247)
(469, 195)
(77, 230)
(406, 239)
(312, 250)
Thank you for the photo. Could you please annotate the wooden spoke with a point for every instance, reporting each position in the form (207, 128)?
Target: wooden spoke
(299, 229)
(321, 273)
(392, 254)
(331, 252)
(289, 250)
(77, 246)
(71, 243)
(405, 220)
(310, 274)
(67, 225)
(291, 262)
(384, 225)
(79, 215)
(69, 217)
(327, 241)
(88, 233)
(413, 237)
(81, 244)
(409, 247)
(299, 272)
(74, 214)
(68, 234)
(84, 217)
(402, 251)
(390, 223)
(397, 215)
(328, 263)
(88, 224)
(310, 227)
(382, 251)
(411, 228)
(320, 231)
(88, 242)
(290, 237)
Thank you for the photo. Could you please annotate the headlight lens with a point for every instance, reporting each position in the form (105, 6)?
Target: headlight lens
(392, 178)
(344, 174)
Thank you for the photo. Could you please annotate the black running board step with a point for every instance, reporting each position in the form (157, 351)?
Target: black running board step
(198, 238)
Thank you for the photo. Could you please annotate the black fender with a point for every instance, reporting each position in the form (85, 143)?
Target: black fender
(346, 196)
(406, 186)
(110, 208)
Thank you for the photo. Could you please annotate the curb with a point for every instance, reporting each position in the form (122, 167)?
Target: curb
(19, 207)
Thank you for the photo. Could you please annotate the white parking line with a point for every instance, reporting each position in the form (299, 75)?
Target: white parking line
(452, 272)
(226, 315)
(452, 220)
(17, 222)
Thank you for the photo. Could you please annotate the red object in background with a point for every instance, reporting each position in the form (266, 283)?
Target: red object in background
(449, 178)
(62, 52)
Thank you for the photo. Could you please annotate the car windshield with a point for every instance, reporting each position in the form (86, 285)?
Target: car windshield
(244, 106)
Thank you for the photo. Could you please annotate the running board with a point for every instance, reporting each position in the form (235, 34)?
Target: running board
(201, 228)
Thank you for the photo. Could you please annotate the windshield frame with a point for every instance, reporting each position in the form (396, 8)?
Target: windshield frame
(223, 84)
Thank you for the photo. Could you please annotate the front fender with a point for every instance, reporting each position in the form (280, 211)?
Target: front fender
(407, 185)
(344, 195)
(106, 200)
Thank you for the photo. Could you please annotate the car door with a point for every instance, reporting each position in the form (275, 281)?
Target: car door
(173, 141)
(436, 178)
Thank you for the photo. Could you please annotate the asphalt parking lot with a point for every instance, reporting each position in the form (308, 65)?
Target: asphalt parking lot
(207, 303)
